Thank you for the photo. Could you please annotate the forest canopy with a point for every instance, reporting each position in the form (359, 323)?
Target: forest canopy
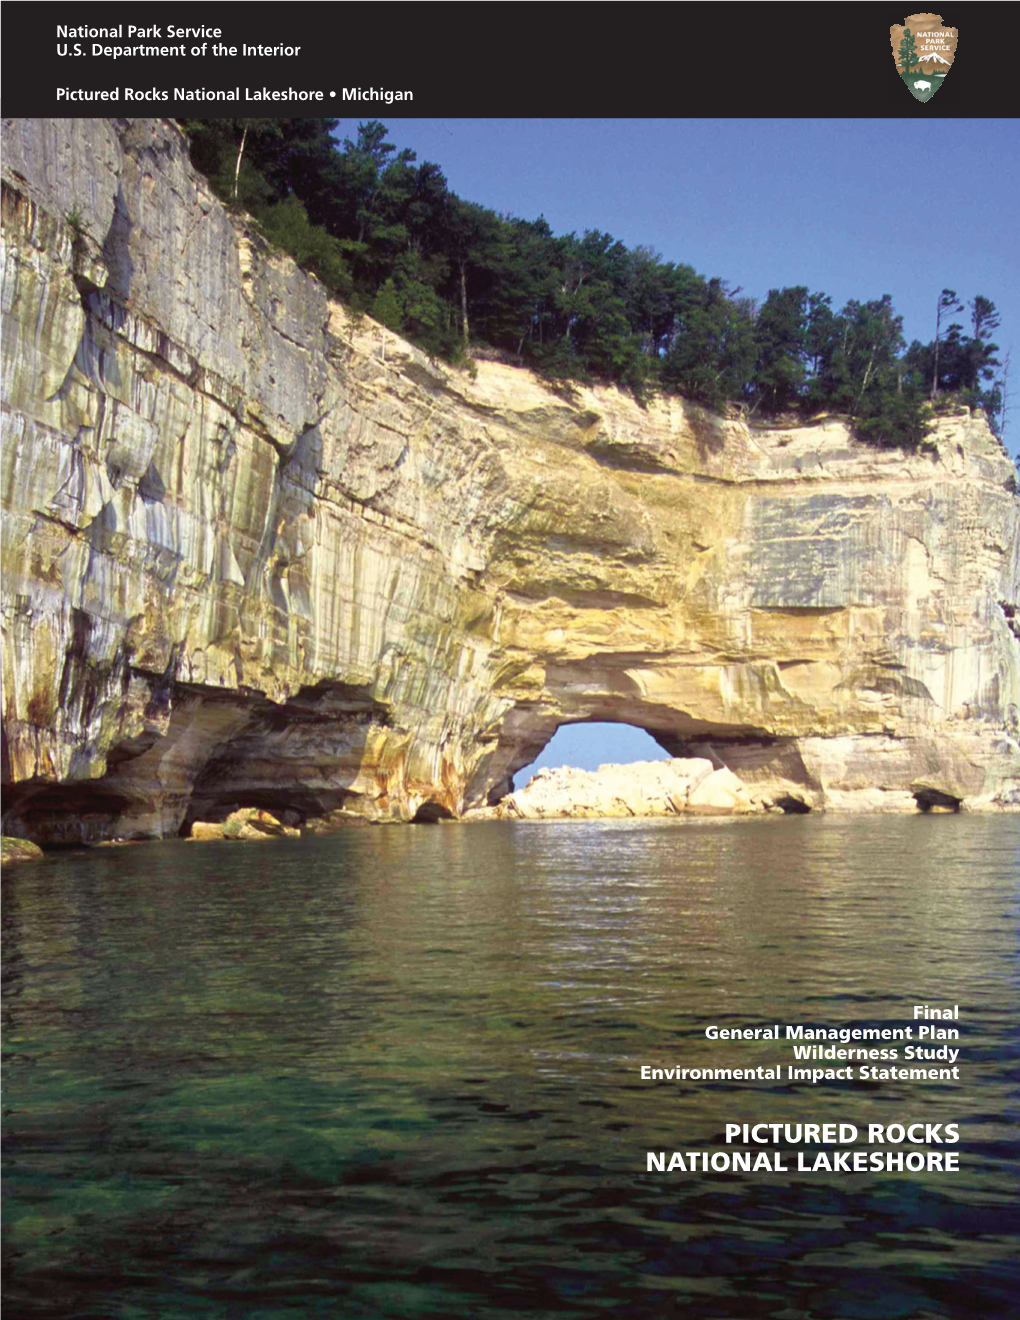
(387, 235)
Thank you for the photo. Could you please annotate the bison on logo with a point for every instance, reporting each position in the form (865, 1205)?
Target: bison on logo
(923, 50)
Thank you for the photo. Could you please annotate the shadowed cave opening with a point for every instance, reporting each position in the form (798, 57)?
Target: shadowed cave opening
(928, 799)
(792, 806)
(429, 813)
(62, 815)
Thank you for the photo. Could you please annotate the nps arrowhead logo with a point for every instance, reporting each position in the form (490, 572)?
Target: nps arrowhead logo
(923, 50)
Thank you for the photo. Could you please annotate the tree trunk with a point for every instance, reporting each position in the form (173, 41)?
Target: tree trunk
(867, 377)
(464, 309)
(935, 377)
(1005, 396)
(237, 166)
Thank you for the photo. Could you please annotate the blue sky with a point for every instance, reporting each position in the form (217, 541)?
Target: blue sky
(852, 208)
(588, 746)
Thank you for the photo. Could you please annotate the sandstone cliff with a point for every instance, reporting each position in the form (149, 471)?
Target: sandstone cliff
(259, 554)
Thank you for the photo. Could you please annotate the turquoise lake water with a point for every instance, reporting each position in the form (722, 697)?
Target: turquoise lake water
(396, 1073)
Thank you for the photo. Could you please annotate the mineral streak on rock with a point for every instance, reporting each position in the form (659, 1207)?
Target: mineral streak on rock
(258, 553)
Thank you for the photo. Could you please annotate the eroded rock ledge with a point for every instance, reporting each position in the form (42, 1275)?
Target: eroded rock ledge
(259, 554)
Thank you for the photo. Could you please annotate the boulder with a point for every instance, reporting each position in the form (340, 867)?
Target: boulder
(249, 824)
(204, 830)
(254, 823)
(721, 794)
(18, 850)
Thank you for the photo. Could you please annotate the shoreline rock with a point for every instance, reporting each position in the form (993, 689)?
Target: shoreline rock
(247, 825)
(13, 851)
(676, 787)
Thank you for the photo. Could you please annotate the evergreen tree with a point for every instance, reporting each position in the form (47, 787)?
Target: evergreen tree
(984, 318)
(820, 334)
(780, 339)
(909, 63)
(966, 363)
(471, 238)
(712, 351)
(948, 303)
(871, 378)
(387, 308)
(649, 302)
(386, 233)
(294, 159)
(985, 321)
(287, 225)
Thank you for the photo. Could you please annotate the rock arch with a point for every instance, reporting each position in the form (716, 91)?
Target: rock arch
(247, 551)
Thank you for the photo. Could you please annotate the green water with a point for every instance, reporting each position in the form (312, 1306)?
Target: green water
(396, 1072)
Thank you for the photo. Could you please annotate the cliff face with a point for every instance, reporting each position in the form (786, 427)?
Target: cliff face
(258, 553)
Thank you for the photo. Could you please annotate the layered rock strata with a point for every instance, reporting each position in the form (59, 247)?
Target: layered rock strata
(259, 553)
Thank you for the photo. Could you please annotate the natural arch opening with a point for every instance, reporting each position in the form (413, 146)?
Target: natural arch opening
(532, 737)
(586, 746)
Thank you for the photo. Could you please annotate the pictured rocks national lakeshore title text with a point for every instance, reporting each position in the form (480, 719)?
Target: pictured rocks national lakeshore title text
(127, 41)
(932, 1044)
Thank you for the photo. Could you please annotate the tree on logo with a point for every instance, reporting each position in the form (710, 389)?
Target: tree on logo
(909, 62)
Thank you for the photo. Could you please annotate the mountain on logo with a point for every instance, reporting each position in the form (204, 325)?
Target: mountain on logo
(934, 56)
